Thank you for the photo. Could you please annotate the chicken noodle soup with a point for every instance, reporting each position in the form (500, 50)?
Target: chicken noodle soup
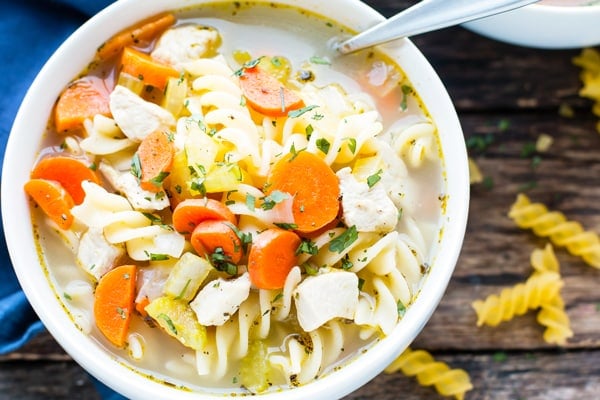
(222, 203)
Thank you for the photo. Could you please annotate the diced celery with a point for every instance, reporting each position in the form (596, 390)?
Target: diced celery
(131, 82)
(186, 277)
(255, 368)
(175, 95)
(224, 177)
(178, 319)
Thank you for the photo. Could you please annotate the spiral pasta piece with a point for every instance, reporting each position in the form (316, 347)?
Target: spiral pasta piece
(537, 290)
(555, 226)
(552, 314)
(429, 372)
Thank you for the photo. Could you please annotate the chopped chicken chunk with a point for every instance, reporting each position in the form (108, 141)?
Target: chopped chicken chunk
(326, 296)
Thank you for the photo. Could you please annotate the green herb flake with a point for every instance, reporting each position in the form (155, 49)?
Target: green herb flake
(250, 202)
(285, 225)
(307, 246)
(480, 142)
(503, 125)
(67, 296)
(248, 65)
(343, 241)
(121, 313)
(169, 322)
(536, 161)
(309, 131)
(180, 295)
(310, 269)
(153, 218)
(352, 145)
(488, 182)
(93, 166)
(500, 356)
(320, 60)
(361, 283)
(301, 111)
(401, 309)
(323, 145)
(276, 62)
(274, 198)
(222, 262)
(346, 263)
(406, 90)
(158, 257)
(136, 166)
(373, 179)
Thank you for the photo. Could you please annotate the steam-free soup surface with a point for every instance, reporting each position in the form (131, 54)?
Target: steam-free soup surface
(360, 115)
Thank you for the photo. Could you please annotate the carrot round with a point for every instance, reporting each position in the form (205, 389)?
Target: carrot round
(81, 100)
(143, 31)
(69, 172)
(53, 199)
(271, 257)
(313, 185)
(147, 70)
(155, 154)
(265, 94)
(212, 234)
(113, 303)
(189, 213)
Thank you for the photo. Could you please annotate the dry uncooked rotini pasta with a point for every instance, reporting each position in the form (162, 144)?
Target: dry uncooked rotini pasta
(429, 372)
(552, 315)
(517, 300)
(589, 61)
(555, 226)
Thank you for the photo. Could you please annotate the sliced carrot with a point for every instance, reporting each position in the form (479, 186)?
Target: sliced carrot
(81, 100)
(189, 213)
(69, 172)
(210, 235)
(140, 306)
(313, 185)
(267, 95)
(147, 70)
(271, 257)
(113, 303)
(144, 31)
(53, 199)
(155, 155)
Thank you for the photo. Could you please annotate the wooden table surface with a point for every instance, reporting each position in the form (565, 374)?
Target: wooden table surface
(509, 95)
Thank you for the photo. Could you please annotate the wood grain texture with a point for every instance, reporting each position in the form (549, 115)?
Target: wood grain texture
(509, 95)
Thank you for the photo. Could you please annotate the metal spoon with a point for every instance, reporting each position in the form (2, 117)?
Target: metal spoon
(427, 16)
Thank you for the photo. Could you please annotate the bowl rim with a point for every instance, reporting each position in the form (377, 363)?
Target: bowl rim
(556, 27)
(89, 353)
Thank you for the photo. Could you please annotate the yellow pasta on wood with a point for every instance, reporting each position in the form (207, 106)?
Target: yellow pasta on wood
(555, 226)
(429, 372)
(552, 315)
(517, 300)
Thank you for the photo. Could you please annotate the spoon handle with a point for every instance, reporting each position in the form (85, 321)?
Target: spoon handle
(426, 16)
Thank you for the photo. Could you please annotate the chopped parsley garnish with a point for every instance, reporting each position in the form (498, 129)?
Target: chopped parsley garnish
(180, 295)
(248, 65)
(320, 60)
(285, 225)
(307, 246)
(401, 309)
(250, 202)
(67, 296)
(373, 179)
(309, 131)
(500, 356)
(480, 142)
(323, 145)
(310, 269)
(121, 313)
(343, 241)
(153, 219)
(222, 262)
(93, 166)
(361, 283)
(136, 167)
(158, 179)
(274, 198)
(346, 263)
(301, 111)
(157, 256)
(352, 145)
(528, 150)
(169, 322)
(406, 89)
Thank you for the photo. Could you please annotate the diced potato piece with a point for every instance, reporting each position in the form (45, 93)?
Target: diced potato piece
(225, 177)
(131, 82)
(186, 277)
(200, 149)
(178, 320)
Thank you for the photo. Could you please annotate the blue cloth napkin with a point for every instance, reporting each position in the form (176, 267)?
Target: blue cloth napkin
(30, 30)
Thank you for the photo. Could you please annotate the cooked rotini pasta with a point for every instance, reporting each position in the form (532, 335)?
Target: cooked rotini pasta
(539, 289)
(555, 226)
(279, 214)
(429, 372)
(552, 314)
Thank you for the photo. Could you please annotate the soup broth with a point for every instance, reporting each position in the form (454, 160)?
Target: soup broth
(359, 115)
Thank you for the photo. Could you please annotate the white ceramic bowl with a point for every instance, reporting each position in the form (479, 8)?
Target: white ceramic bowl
(543, 26)
(21, 152)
